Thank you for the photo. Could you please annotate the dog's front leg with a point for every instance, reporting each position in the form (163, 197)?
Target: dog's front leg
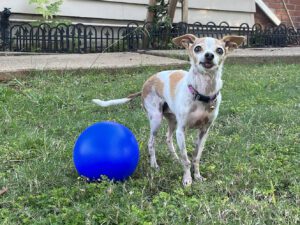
(187, 178)
(198, 152)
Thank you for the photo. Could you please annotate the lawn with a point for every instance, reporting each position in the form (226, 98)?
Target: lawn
(251, 161)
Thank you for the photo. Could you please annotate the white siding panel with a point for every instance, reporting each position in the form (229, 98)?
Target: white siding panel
(103, 10)
(224, 5)
(205, 16)
(120, 11)
(230, 5)
(86, 8)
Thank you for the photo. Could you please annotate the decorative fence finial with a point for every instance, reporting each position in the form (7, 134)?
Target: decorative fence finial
(4, 28)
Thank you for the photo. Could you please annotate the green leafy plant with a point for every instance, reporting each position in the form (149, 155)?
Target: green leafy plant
(48, 8)
(160, 11)
(161, 24)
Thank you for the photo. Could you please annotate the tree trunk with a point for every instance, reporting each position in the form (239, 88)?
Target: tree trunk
(172, 9)
(149, 21)
(185, 11)
(150, 15)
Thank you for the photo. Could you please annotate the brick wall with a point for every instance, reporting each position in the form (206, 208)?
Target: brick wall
(261, 17)
(278, 8)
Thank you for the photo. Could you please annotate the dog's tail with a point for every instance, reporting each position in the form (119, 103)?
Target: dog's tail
(116, 101)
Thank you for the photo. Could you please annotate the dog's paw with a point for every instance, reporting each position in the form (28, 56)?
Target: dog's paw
(198, 177)
(187, 180)
(154, 166)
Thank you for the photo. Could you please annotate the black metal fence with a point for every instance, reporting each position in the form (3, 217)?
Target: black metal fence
(79, 38)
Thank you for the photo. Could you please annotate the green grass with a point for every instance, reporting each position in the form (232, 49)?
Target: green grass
(251, 159)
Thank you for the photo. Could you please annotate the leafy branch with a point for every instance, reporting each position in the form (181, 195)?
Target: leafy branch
(48, 8)
(160, 11)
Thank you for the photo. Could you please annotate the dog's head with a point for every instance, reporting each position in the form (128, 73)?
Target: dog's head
(208, 54)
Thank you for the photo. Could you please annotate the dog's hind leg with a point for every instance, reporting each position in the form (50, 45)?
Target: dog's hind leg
(171, 128)
(155, 119)
(153, 106)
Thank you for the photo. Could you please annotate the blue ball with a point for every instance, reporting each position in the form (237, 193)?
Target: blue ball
(106, 148)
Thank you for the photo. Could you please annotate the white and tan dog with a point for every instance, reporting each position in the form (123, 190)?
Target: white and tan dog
(187, 99)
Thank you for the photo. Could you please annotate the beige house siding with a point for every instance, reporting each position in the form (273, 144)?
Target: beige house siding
(114, 12)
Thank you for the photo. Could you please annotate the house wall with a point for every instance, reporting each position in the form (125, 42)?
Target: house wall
(117, 12)
(261, 18)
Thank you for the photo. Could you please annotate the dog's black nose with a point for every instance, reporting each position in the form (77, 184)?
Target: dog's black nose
(209, 56)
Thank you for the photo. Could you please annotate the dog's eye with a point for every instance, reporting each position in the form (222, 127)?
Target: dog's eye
(220, 51)
(197, 49)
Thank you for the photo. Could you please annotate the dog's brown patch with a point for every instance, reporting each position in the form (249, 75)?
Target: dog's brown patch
(219, 43)
(153, 83)
(193, 108)
(131, 96)
(198, 117)
(175, 77)
(199, 41)
(201, 122)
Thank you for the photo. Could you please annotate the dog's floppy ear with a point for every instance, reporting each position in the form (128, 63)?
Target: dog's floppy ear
(184, 40)
(233, 42)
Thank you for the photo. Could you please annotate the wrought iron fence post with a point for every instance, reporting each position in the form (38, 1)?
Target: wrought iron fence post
(4, 28)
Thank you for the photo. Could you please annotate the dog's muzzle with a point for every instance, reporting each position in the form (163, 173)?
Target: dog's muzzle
(208, 60)
(207, 65)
